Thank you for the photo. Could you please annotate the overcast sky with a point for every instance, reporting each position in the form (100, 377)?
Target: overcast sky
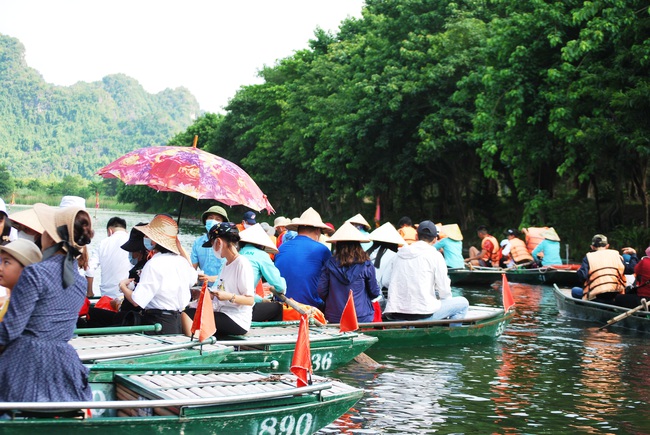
(211, 47)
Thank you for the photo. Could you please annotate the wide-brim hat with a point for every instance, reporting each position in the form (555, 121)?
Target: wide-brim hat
(281, 221)
(215, 209)
(163, 230)
(256, 235)
(51, 218)
(348, 233)
(24, 251)
(387, 234)
(309, 218)
(136, 240)
(550, 234)
(452, 231)
(3, 206)
(358, 219)
(28, 219)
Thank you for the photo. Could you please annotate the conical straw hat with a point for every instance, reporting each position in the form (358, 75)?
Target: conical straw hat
(452, 231)
(387, 234)
(348, 233)
(550, 234)
(163, 230)
(309, 218)
(358, 219)
(27, 218)
(257, 236)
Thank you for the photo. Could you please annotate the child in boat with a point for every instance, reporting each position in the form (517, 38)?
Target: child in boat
(14, 256)
(348, 269)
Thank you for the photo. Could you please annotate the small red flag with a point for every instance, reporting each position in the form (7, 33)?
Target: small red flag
(96, 198)
(377, 316)
(349, 316)
(204, 317)
(259, 289)
(506, 294)
(301, 362)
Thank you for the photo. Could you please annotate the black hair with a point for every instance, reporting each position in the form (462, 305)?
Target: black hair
(116, 221)
(482, 229)
(404, 220)
(83, 229)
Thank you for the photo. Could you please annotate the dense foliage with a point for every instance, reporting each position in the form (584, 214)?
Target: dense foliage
(52, 131)
(497, 112)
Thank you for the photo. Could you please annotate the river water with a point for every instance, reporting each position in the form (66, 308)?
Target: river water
(545, 375)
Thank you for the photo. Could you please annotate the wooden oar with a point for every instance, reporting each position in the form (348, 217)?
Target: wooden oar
(643, 306)
(362, 358)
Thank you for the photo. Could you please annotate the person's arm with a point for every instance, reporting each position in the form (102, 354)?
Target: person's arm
(128, 293)
(442, 284)
(89, 289)
(583, 272)
(323, 288)
(372, 287)
(24, 298)
(272, 275)
(630, 265)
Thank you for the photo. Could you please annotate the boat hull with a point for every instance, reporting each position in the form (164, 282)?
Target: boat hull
(439, 333)
(599, 313)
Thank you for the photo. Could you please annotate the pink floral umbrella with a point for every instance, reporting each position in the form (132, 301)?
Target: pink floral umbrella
(190, 171)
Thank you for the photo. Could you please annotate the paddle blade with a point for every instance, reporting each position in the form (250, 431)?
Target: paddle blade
(349, 317)
(508, 300)
(204, 317)
(301, 362)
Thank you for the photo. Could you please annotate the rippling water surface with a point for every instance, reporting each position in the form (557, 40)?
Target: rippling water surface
(545, 374)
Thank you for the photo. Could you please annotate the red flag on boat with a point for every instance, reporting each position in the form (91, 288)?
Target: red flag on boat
(204, 317)
(301, 362)
(259, 289)
(506, 294)
(349, 317)
(96, 198)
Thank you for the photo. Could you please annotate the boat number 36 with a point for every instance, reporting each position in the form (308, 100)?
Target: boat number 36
(287, 425)
(321, 362)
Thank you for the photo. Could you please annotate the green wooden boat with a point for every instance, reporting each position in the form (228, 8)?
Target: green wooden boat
(488, 275)
(189, 403)
(330, 349)
(480, 325)
(599, 313)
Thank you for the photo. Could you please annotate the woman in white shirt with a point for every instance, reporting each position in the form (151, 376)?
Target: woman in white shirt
(233, 291)
(165, 281)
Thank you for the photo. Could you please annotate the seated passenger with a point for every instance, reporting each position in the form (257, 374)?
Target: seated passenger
(515, 251)
(419, 284)
(547, 252)
(452, 246)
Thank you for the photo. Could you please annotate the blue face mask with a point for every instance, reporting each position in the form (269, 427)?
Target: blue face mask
(133, 261)
(147, 243)
(210, 223)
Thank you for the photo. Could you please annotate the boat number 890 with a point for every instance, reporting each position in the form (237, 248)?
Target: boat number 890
(287, 425)
(321, 362)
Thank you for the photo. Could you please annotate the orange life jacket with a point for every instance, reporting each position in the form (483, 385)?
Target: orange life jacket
(518, 251)
(606, 273)
(495, 255)
(534, 237)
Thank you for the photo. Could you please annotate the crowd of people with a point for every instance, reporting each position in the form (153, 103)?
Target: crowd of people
(391, 274)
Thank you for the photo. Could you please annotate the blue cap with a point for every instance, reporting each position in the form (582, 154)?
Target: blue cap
(249, 218)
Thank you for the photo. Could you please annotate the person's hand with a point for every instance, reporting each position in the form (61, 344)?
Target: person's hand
(628, 250)
(208, 278)
(223, 296)
(125, 283)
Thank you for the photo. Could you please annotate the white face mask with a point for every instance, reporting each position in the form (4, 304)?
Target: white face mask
(218, 253)
(23, 235)
(246, 225)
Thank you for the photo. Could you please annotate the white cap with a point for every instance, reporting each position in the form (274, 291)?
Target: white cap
(73, 201)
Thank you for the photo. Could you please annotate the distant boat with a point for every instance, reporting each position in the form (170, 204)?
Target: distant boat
(547, 275)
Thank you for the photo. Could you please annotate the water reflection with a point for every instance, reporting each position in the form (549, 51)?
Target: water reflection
(546, 374)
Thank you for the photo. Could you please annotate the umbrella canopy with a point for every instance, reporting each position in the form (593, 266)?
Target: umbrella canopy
(190, 171)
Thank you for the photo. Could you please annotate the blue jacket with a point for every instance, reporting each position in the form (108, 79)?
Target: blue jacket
(335, 284)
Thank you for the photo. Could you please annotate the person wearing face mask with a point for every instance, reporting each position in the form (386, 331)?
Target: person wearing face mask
(8, 232)
(165, 282)
(112, 261)
(247, 222)
(27, 225)
(204, 258)
(233, 293)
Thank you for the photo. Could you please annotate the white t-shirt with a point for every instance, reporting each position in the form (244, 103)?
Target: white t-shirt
(113, 262)
(165, 283)
(236, 278)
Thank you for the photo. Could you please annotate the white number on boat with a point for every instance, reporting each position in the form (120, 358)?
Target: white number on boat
(287, 426)
(321, 362)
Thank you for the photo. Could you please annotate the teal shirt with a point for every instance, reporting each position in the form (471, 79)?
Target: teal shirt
(551, 252)
(453, 252)
(263, 267)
